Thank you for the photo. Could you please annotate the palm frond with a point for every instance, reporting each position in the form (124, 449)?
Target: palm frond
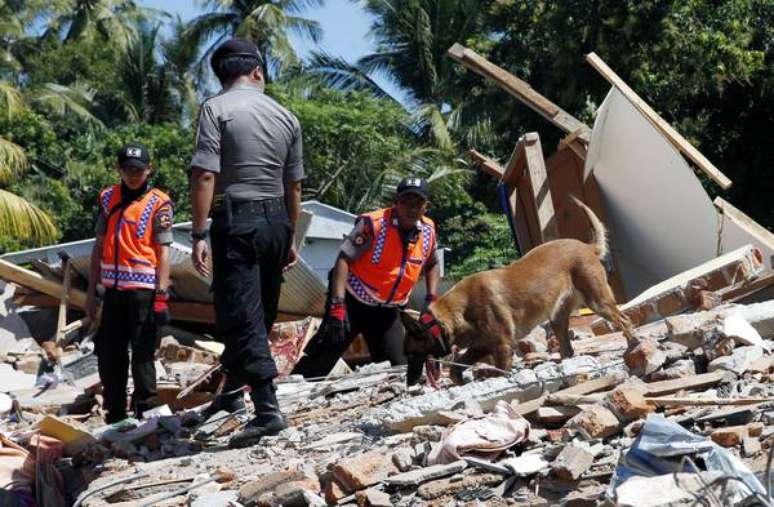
(62, 100)
(428, 117)
(24, 220)
(11, 101)
(13, 161)
(337, 73)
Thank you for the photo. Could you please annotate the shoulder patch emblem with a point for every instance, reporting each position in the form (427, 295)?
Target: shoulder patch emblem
(165, 220)
(359, 240)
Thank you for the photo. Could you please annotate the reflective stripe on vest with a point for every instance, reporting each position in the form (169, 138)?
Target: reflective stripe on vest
(129, 255)
(386, 273)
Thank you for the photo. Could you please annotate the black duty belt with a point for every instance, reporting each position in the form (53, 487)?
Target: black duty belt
(264, 207)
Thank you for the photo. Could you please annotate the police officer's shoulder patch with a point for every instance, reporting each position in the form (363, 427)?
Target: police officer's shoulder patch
(359, 239)
(164, 217)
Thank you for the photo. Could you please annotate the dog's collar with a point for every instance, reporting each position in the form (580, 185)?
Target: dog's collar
(436, 329)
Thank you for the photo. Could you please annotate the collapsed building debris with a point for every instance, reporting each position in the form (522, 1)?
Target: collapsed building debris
(688, 414)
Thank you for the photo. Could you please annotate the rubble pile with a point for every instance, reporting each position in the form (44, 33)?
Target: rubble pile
(686, 414)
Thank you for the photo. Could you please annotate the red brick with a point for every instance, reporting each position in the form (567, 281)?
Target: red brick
(364, 470)
(628, 403)
(645, 358)
(596, 422)
(334, 492)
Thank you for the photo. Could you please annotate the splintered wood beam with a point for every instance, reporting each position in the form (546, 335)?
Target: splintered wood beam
(12, 273)
(746, 223)
(519, 89)
(657, 121)
(540, 190)
(488, 165)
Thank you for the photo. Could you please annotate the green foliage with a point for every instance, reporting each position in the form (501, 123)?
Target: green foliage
(355, 146)
(706, 66)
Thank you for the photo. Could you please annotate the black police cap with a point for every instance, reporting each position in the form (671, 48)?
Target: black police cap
(133, 155)
(235, 47)
(414, 185)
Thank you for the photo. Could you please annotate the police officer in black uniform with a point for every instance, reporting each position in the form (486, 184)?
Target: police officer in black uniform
(247, 170)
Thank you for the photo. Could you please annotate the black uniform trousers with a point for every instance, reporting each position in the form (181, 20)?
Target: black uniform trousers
(250, 245)
(380, 326)
(127, 320)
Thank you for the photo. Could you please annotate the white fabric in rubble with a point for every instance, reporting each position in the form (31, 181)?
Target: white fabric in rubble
(484, 436)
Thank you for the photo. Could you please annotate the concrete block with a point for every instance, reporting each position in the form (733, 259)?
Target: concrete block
(572, 462)
(739, 361)
(751, 446)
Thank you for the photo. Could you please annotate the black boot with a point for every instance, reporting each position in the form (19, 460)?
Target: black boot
(231, 400)
(268, 420)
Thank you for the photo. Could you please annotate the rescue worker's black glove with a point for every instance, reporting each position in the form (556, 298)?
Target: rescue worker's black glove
(333, 323)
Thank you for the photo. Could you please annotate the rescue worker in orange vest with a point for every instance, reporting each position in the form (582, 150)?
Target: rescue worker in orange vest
(130, 258)
(379, 263)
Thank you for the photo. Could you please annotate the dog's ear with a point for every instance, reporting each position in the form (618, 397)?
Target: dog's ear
(410, 323)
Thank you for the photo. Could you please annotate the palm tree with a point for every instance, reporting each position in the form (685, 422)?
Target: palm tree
(18, 218)
(146, 84)
(111, 20)
(180, 56)
(412, 37)
(266, 22)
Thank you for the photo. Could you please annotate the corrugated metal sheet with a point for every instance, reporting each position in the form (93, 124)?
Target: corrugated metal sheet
(303, 292)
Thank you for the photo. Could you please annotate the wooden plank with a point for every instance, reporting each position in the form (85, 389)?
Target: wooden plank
(516, 165)
(541, 191)
(692, 382)
(526, 223)
(728, 412)
(61, 322)
(519, 89)
(746, 223)
(564, 179)
(16, 274)
(743, 289)
(488, 165)
(666, 401)
(588, 387)
(657, 121)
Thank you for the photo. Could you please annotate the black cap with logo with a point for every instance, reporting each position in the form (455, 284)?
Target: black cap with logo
(413, 185)
(234, 47)
(133, 155)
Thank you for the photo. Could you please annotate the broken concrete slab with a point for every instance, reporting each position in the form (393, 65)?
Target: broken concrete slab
(525, 465)
(661, 490)
(739, 361)
(417, 477)
(14, 380)
(402, 416)
(751, 446)
(452, 485)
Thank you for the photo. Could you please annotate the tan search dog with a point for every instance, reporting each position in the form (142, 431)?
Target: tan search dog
(486, 313)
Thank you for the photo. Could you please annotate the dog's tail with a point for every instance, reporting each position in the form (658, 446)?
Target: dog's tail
(598, 228)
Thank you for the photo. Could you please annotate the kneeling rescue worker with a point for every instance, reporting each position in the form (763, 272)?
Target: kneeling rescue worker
(378, 265)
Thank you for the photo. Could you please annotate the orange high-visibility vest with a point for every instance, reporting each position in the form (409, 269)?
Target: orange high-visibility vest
(129, 255)
(387, 272)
